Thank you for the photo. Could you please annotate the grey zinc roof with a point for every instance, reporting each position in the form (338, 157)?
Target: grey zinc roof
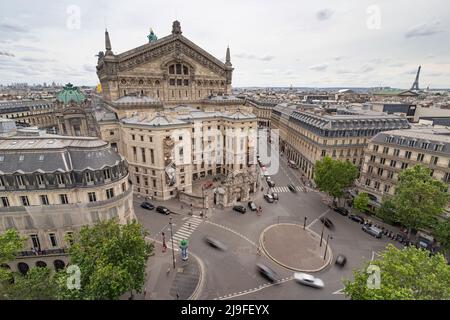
(431, 135)
(351, 121)
(53, 154)
(136, 99)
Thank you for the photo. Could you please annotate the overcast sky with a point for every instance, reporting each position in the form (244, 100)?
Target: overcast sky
(319, 43)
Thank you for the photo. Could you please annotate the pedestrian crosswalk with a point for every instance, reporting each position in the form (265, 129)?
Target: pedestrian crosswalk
(284, 189)
(184, 232)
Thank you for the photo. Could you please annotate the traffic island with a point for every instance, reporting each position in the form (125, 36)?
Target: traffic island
(294, 248)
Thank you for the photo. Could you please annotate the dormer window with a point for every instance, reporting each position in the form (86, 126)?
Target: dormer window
(60, 179)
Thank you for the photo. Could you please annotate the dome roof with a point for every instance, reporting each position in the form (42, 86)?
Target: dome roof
(70, 94)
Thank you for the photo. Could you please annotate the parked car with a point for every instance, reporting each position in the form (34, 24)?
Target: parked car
(162, 210)
(240, 209)
(270, 183)
(267, 272)
(252, 206)
(356, 218)
(268, 198)
(215, 243)
(327, 222)
(308, 280)
(341, 260)
(341, 210)
(275, 196)
(147, 205)
(373, 231)
(292, 188)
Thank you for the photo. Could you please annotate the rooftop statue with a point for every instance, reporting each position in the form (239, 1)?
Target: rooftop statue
(152, 36)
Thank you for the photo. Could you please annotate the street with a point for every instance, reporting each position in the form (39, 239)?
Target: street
(232, 274)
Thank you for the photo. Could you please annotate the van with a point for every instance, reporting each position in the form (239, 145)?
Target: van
(373, 231)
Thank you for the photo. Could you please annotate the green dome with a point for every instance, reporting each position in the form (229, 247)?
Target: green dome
(70, 94)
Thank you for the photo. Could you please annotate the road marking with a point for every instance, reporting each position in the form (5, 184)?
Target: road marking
(186, 230)
(261, 287)
(339, 291)
(317, 219)
(232, 231)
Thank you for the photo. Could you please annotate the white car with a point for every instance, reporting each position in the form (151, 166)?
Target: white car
(308, 280)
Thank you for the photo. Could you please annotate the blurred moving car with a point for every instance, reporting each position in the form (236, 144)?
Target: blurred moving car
(341, 260)
(215, 243)
(292, 188)
(373, 231)
(341, 210)
(268, 198)
(252, 206)
(267, 272)
(275, 196)
(162, 210)
(240, 209)
(270, 183)
(356, 218)
(308, 280)
(147, 205)
(327, 222)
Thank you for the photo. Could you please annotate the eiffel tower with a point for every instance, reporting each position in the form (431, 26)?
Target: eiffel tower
(415, 85)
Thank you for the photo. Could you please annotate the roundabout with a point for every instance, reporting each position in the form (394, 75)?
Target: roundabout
(294, 248)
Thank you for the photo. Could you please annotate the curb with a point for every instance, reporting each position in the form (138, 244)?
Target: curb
(261, 242)
(196, 293)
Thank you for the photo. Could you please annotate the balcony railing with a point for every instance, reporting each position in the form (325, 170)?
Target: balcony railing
(47, 252)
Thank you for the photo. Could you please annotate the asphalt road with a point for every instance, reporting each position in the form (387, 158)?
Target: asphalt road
(232, 274)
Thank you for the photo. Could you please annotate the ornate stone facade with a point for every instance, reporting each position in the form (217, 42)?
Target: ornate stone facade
(172, 69)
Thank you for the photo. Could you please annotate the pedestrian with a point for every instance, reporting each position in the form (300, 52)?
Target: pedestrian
(145, 293)
(181, 207)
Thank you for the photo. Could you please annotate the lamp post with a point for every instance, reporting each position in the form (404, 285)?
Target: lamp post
(173, 248)
(326, 246)
(321, 235)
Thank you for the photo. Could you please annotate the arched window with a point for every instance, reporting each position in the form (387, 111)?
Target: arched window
(41, 264)
(59, 265)
(23, 267)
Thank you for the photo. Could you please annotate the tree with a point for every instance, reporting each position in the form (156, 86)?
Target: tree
(361, 202)
(419, 199)
(36, 284)
(386, 212)
(442, 233)
(112, 260)
(10, 244)
(405, 274)
(334, 176)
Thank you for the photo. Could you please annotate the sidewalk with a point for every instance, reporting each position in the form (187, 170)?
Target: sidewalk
(183, 281)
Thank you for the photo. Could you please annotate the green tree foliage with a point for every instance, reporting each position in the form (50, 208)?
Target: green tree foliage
(36, 284)
(387, 211)
(361, 202)
(406, 274)
(112, 260)
(419, 199)
(334, 176)
(442, 233)
(10, 244)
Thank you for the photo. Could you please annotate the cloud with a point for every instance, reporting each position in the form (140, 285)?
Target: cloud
(367, 68)
(324, 14)
(4, 53)
(343, 71)
(254, 57)
(8, 27)
(319, 67)
(89, 68)
(339, 58)
(424, 30)
(36, 60)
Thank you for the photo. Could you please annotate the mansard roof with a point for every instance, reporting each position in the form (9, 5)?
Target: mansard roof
(52, 153)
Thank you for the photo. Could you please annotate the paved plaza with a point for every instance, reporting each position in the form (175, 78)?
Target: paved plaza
(294, 248)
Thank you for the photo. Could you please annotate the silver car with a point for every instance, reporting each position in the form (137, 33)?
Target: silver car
(308, 280)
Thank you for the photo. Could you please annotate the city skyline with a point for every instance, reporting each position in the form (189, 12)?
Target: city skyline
(303, 45)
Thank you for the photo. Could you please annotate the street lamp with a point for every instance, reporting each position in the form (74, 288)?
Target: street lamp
(173, 248)
(326, 246)
(321, 235)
